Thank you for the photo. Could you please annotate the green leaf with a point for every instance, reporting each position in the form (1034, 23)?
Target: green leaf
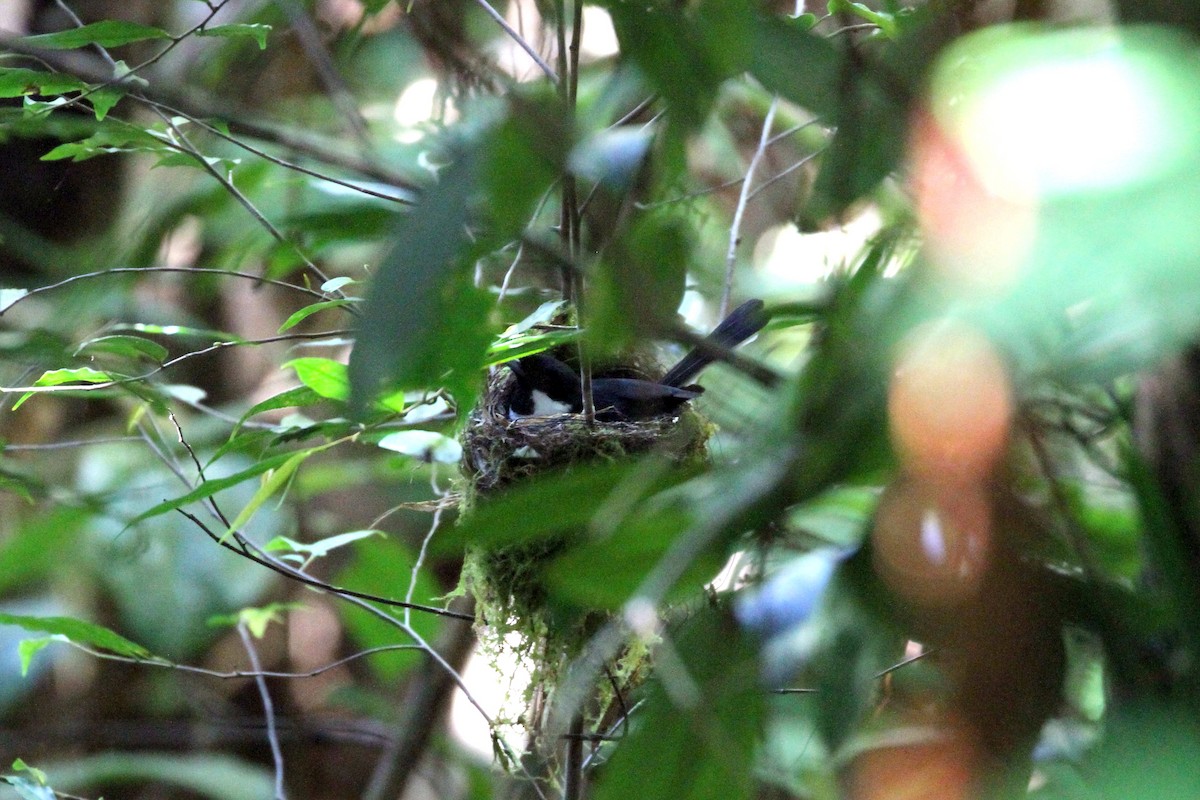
(80, 632)
(642, 278)
(702, 724)
(60, 377)
(509, 347)
(256, 31)
(273, 481)
(211, 487)
(18, 81)
(256, 620)
(886, 22)
(132, 347)
(674, 55)
(20, 766)
(104, 98)
(425, 323)
(326, 377)
(106, 33)
(39, 546)
(306, 312)
(566, 501)
(799, 65)
(321, 547)
(425, 445)
(29, 487)
(28, 648)
(183, 331)
(298, 397)
(605, 571)
(210, 776)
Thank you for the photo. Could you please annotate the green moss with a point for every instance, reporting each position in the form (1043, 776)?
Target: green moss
(513, 612)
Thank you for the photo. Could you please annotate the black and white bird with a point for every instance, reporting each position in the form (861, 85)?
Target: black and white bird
(546, 386)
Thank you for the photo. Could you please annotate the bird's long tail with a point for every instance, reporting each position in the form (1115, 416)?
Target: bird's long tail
(742, 323)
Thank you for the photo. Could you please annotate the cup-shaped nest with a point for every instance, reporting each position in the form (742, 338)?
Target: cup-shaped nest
(499, 452)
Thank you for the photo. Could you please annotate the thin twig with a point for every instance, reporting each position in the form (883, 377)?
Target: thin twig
(109, 384)
(419, 561)
(735, 235)
(282, 162)
(784, 173)
(519, 39)
(424, 704)
(316, 583)
(738, 181)
(134, 270)
(184, 145)
(243, 673)
(268, 709)
(68, 444)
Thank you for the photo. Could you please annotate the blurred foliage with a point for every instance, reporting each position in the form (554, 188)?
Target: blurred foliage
(259, 258)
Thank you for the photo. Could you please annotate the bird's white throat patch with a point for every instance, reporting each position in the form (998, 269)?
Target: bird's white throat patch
(543, 406)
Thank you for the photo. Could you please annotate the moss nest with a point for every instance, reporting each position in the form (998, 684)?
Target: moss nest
(499, 452)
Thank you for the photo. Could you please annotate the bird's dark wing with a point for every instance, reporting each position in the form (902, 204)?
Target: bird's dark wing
(631, 398)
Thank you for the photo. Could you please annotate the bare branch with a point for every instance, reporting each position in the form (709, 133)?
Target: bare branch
(735, 229)
(268, 709)
(519, 39)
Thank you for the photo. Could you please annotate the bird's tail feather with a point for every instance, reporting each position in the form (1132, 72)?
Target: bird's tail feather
(742, 323)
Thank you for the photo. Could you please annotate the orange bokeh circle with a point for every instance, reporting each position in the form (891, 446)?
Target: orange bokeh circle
(949, 403)
(931, 544)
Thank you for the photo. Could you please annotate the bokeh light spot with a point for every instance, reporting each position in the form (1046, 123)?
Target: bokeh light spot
(932, 544)
(949, 403)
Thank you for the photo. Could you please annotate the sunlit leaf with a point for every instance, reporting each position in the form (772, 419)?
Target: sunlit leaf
(28, 790)
(60, 377)
(256, 619)
(179, 330)
(80, 632)
(326, 377)
(321, 547)
(28, 648)
(336, 284)
(10, 296)
(38, 775)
